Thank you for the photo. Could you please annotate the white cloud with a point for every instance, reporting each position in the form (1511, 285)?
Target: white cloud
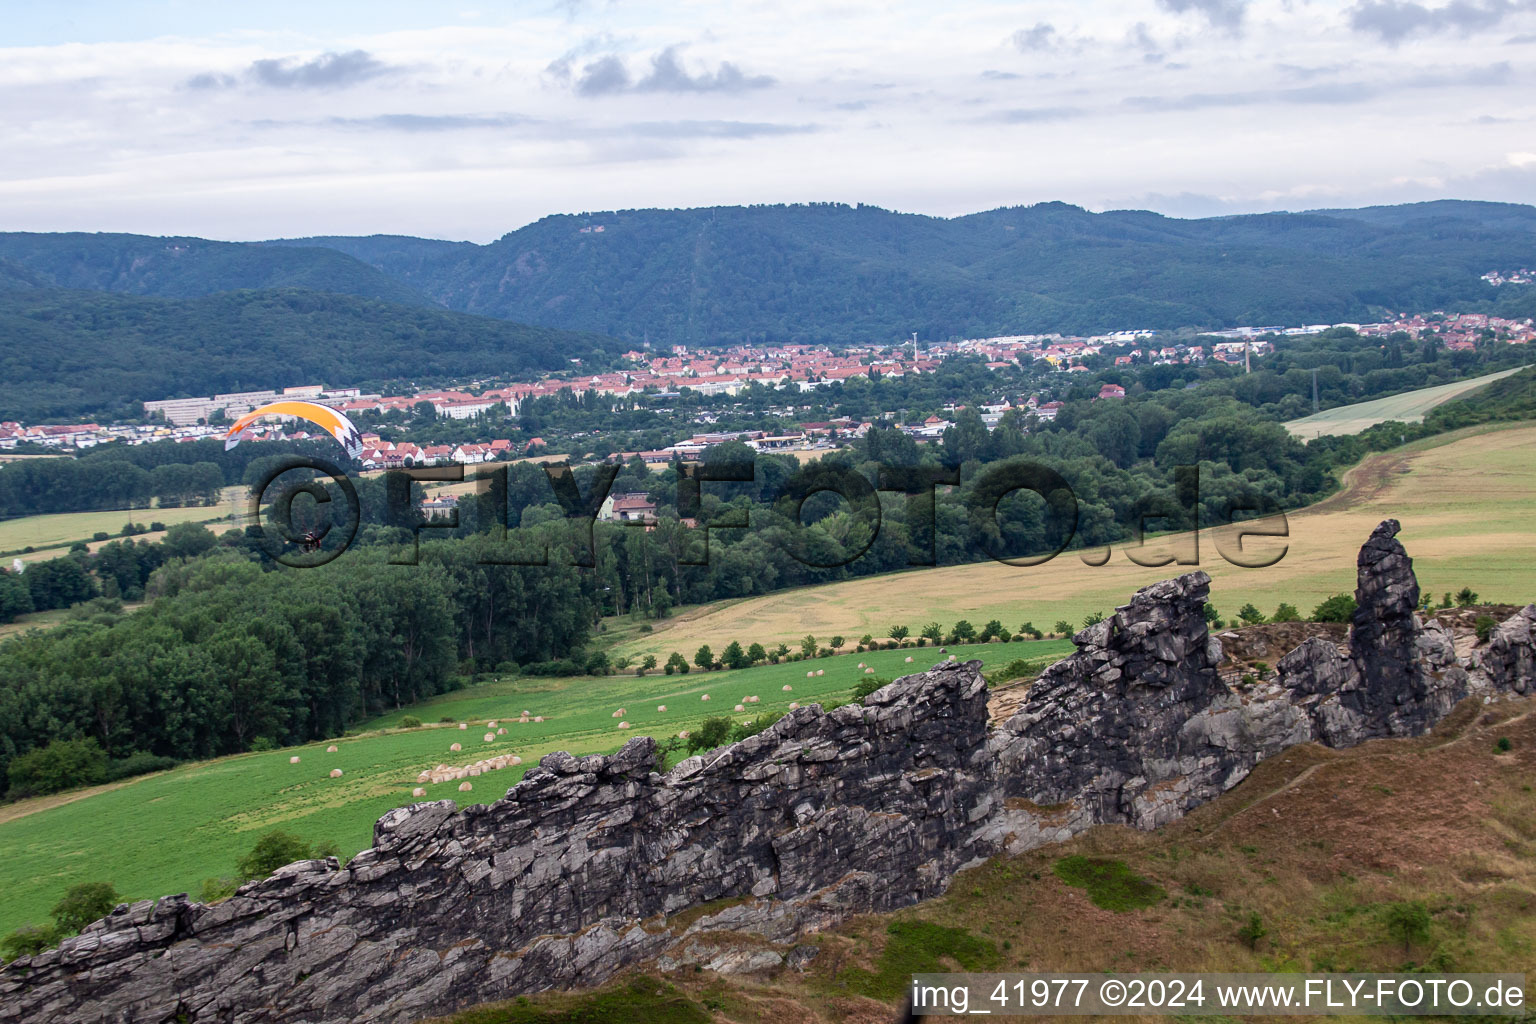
(469, 130)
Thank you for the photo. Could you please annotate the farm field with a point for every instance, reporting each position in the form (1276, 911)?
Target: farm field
(1463, 500)
(45, 533)
(1408, 407)
(166, 833)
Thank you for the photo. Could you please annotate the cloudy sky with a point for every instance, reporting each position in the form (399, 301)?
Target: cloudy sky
(287, 118)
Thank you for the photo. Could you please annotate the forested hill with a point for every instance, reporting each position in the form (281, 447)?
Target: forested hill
(836, 273)
(79, 355)
(185, 267)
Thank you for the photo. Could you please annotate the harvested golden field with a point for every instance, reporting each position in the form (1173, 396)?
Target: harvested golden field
(1463, 500)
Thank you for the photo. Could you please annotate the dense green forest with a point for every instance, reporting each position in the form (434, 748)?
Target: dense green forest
(185, 267)
(74, 354)
(230, 656)
(841, 274)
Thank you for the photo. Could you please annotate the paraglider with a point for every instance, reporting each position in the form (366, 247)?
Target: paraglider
(332, 421)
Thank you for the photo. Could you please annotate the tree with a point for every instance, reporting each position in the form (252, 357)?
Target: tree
(1285, 613)
(676, 663)
(704, 657)
(992, 629)
(1252, 931)
(1062, 627)
(1466, 597)
(1092, 619)
(734, 657)
(755, 654)
(1250, 615)
(933, 631)
(271, 852)
(899, 633)
(713, 733)
(962, 632)
(84, 903)
(646, 664)
(188, 540)
(1338, 608)
(808, 646)
(837, 643)
(1408, 922)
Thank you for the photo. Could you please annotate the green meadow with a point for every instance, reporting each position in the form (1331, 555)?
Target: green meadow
(166, 833)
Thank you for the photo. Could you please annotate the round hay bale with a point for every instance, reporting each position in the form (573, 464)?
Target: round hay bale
(293, 760)
(705, 697)
(943, 650)
(793, 705)
(463, 725)
(490, 737)
(538, 718)
(490, 725)
(951, 657)
(418, 792)
(683, 735)
(331, 749)
(869, 671)
(909, 659)
(502, 731)
(623, 725)
(788, 688)
(465, 787)
(810, 675)
(661, 707)
(741, 707)
(861, 664)
(456, 747)
(515, 760)
(335, 773)
(821, 671)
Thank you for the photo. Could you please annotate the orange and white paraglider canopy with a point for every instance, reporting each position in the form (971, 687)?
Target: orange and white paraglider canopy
(338, 425)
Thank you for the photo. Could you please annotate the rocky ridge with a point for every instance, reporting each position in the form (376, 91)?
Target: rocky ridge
(571, 877)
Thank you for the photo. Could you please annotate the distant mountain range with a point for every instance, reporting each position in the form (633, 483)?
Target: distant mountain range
(809, 273)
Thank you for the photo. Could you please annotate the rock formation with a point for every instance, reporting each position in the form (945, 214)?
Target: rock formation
(561, 882)
(570, 877)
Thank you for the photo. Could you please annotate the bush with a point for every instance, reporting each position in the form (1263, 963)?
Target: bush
(29, 940)
(1110, 884)
(1285, 613)
(271, 852)
(82, 904)
(447, 720)
(864, 687)
(62, 764)
(1249, 615)
(715, 732)
(1466, 597)
(263, 743)
(1062, 628)
(410, 722)
(216, 889)
(1504, 745)
(1338, 608)
(1251, 932)
(558, 667)
(1018, 668)
(755, 726)
(138, 764)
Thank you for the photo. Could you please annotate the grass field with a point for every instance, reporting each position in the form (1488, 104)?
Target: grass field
(1464, 504)
(167, 832)
(1408, 407)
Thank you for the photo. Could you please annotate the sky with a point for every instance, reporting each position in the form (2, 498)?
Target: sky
(287, 119)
